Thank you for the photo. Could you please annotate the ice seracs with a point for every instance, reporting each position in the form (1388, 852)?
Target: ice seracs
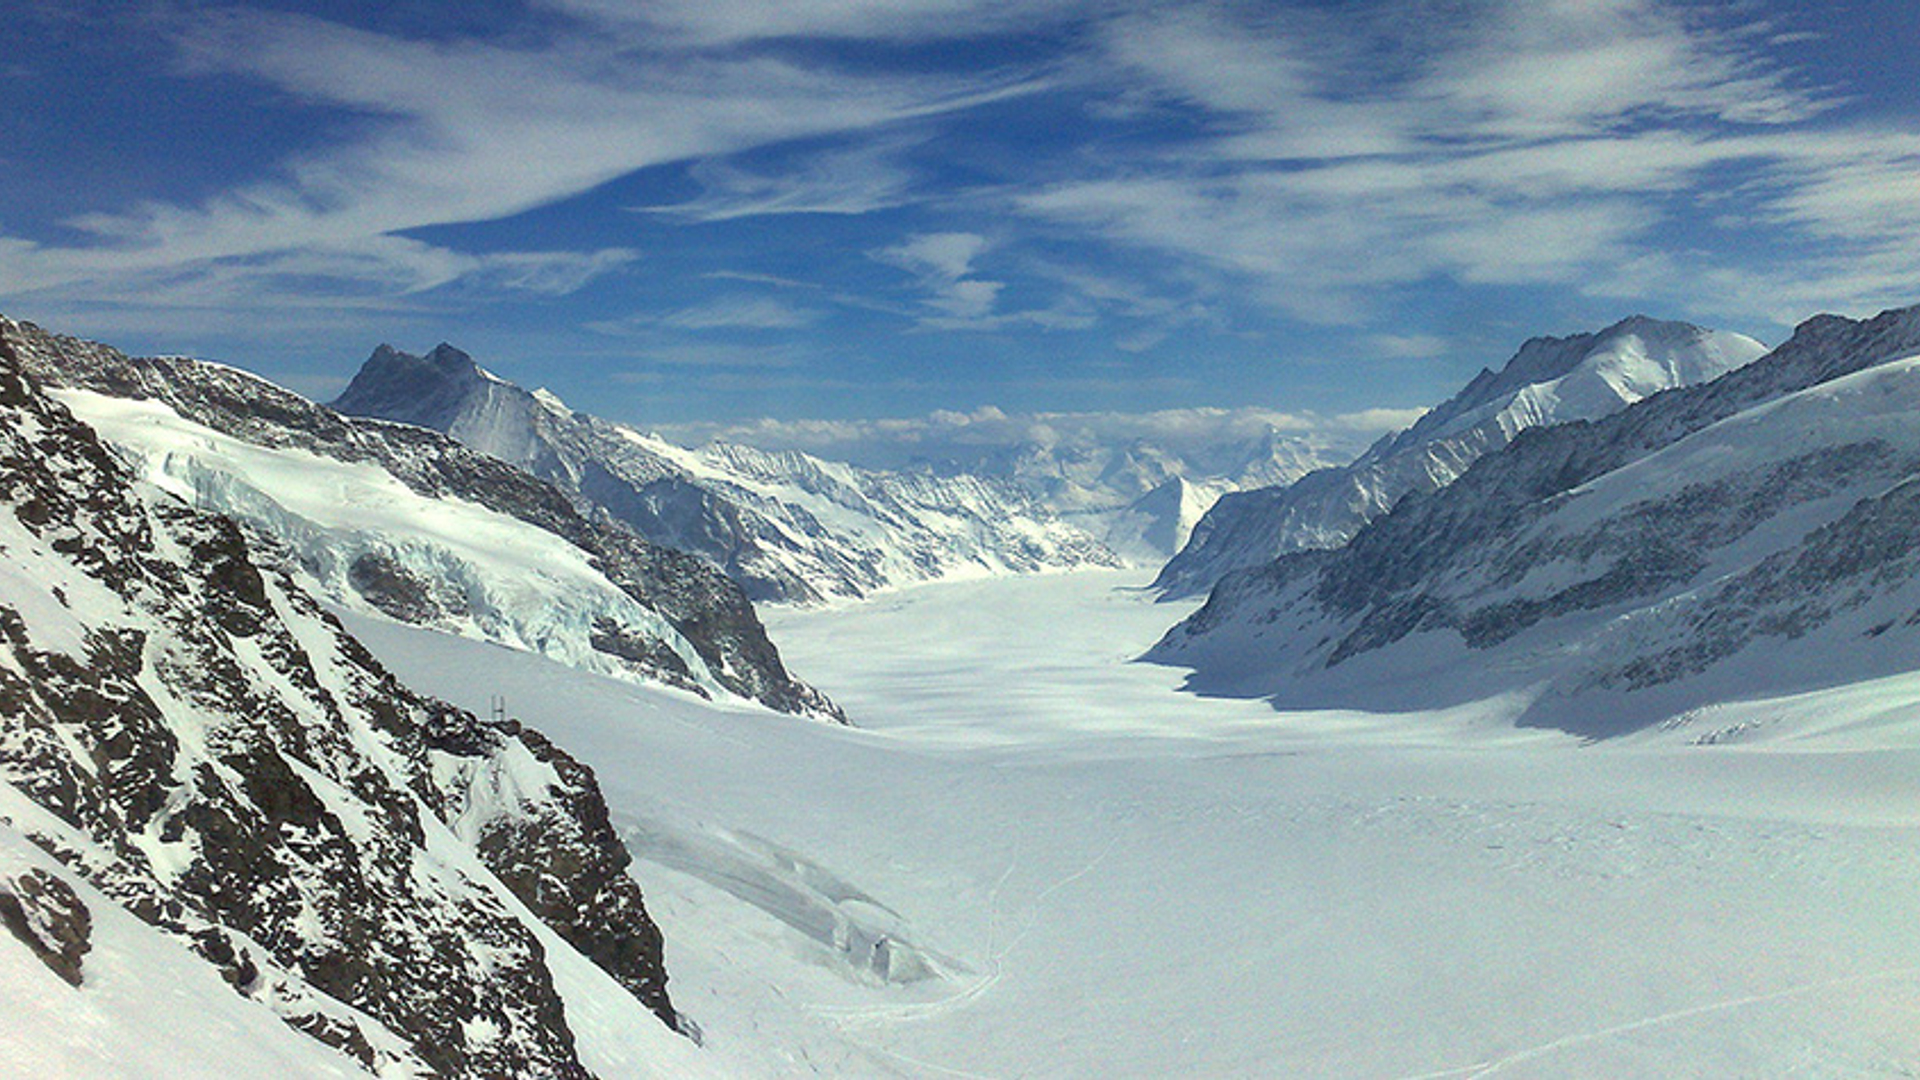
(1549, 381)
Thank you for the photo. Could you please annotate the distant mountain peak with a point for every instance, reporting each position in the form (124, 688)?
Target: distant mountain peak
(447, 357)
(1549, 380)
(786, 525)
(1749, 534)
(422, 390)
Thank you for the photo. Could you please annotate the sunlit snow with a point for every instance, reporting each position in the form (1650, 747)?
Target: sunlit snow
(1094, 874)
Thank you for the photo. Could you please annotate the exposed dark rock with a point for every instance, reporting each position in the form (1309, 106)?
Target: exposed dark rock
(388, 586)
(232, 768)
(48, 917)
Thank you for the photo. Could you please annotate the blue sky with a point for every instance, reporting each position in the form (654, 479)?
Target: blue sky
(724, 209)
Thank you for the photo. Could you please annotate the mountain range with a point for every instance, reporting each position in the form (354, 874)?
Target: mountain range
(787, 526)
(407, 522)
(1751, 534)
(1548, 381)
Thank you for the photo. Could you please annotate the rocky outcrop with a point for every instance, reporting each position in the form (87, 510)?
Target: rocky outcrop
(44, 914)
(199, 740)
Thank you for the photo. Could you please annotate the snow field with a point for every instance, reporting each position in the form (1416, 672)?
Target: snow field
(1113, 878)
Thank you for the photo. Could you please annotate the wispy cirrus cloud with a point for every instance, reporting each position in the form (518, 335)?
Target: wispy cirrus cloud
(456, 132)
(738, 312)
(852, 180)
(943, 262)
(710, 23)
(1503, 143)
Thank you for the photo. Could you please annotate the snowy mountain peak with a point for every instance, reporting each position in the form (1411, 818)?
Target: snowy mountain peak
(425, 391)
(449, 358)
(787, 526)
(1632, 563)
(1549, 380)
(1586, 375)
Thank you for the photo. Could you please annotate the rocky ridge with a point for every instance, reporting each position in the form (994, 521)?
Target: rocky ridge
(787, 526)
(1615, 572)
(662, 614)
(1548, 381)
(191, 734)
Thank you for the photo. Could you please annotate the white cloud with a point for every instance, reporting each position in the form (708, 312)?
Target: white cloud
(943, 262)
(855, 180)
(726, 22)
(945, 256)
(1508, 142)
(740, 313)
(460, 132)
(1206, 437)
(1409, 345)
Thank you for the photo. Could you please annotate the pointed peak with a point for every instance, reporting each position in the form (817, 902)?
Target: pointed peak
(425, 390)
(447, 356)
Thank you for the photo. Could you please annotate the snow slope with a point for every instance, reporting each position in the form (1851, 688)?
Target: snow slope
(1098, 875)
(406, 521)
(1548, 381)
(188, 741)
(505, 581)
(126, 1020)
(1750, 535)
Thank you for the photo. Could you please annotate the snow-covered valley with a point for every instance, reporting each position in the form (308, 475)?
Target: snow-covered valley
(1034, 857)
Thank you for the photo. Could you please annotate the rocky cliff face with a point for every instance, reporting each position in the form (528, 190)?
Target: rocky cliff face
(787, 526)
(190, 733)
(1613, 572)
(1549, 381)
(454, 557)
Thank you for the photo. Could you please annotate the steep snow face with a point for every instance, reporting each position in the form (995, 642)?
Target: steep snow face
(191, 741)
(1751, 535)
(405, 521)
(1549, 381)
(787, 526)
(363, 539)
